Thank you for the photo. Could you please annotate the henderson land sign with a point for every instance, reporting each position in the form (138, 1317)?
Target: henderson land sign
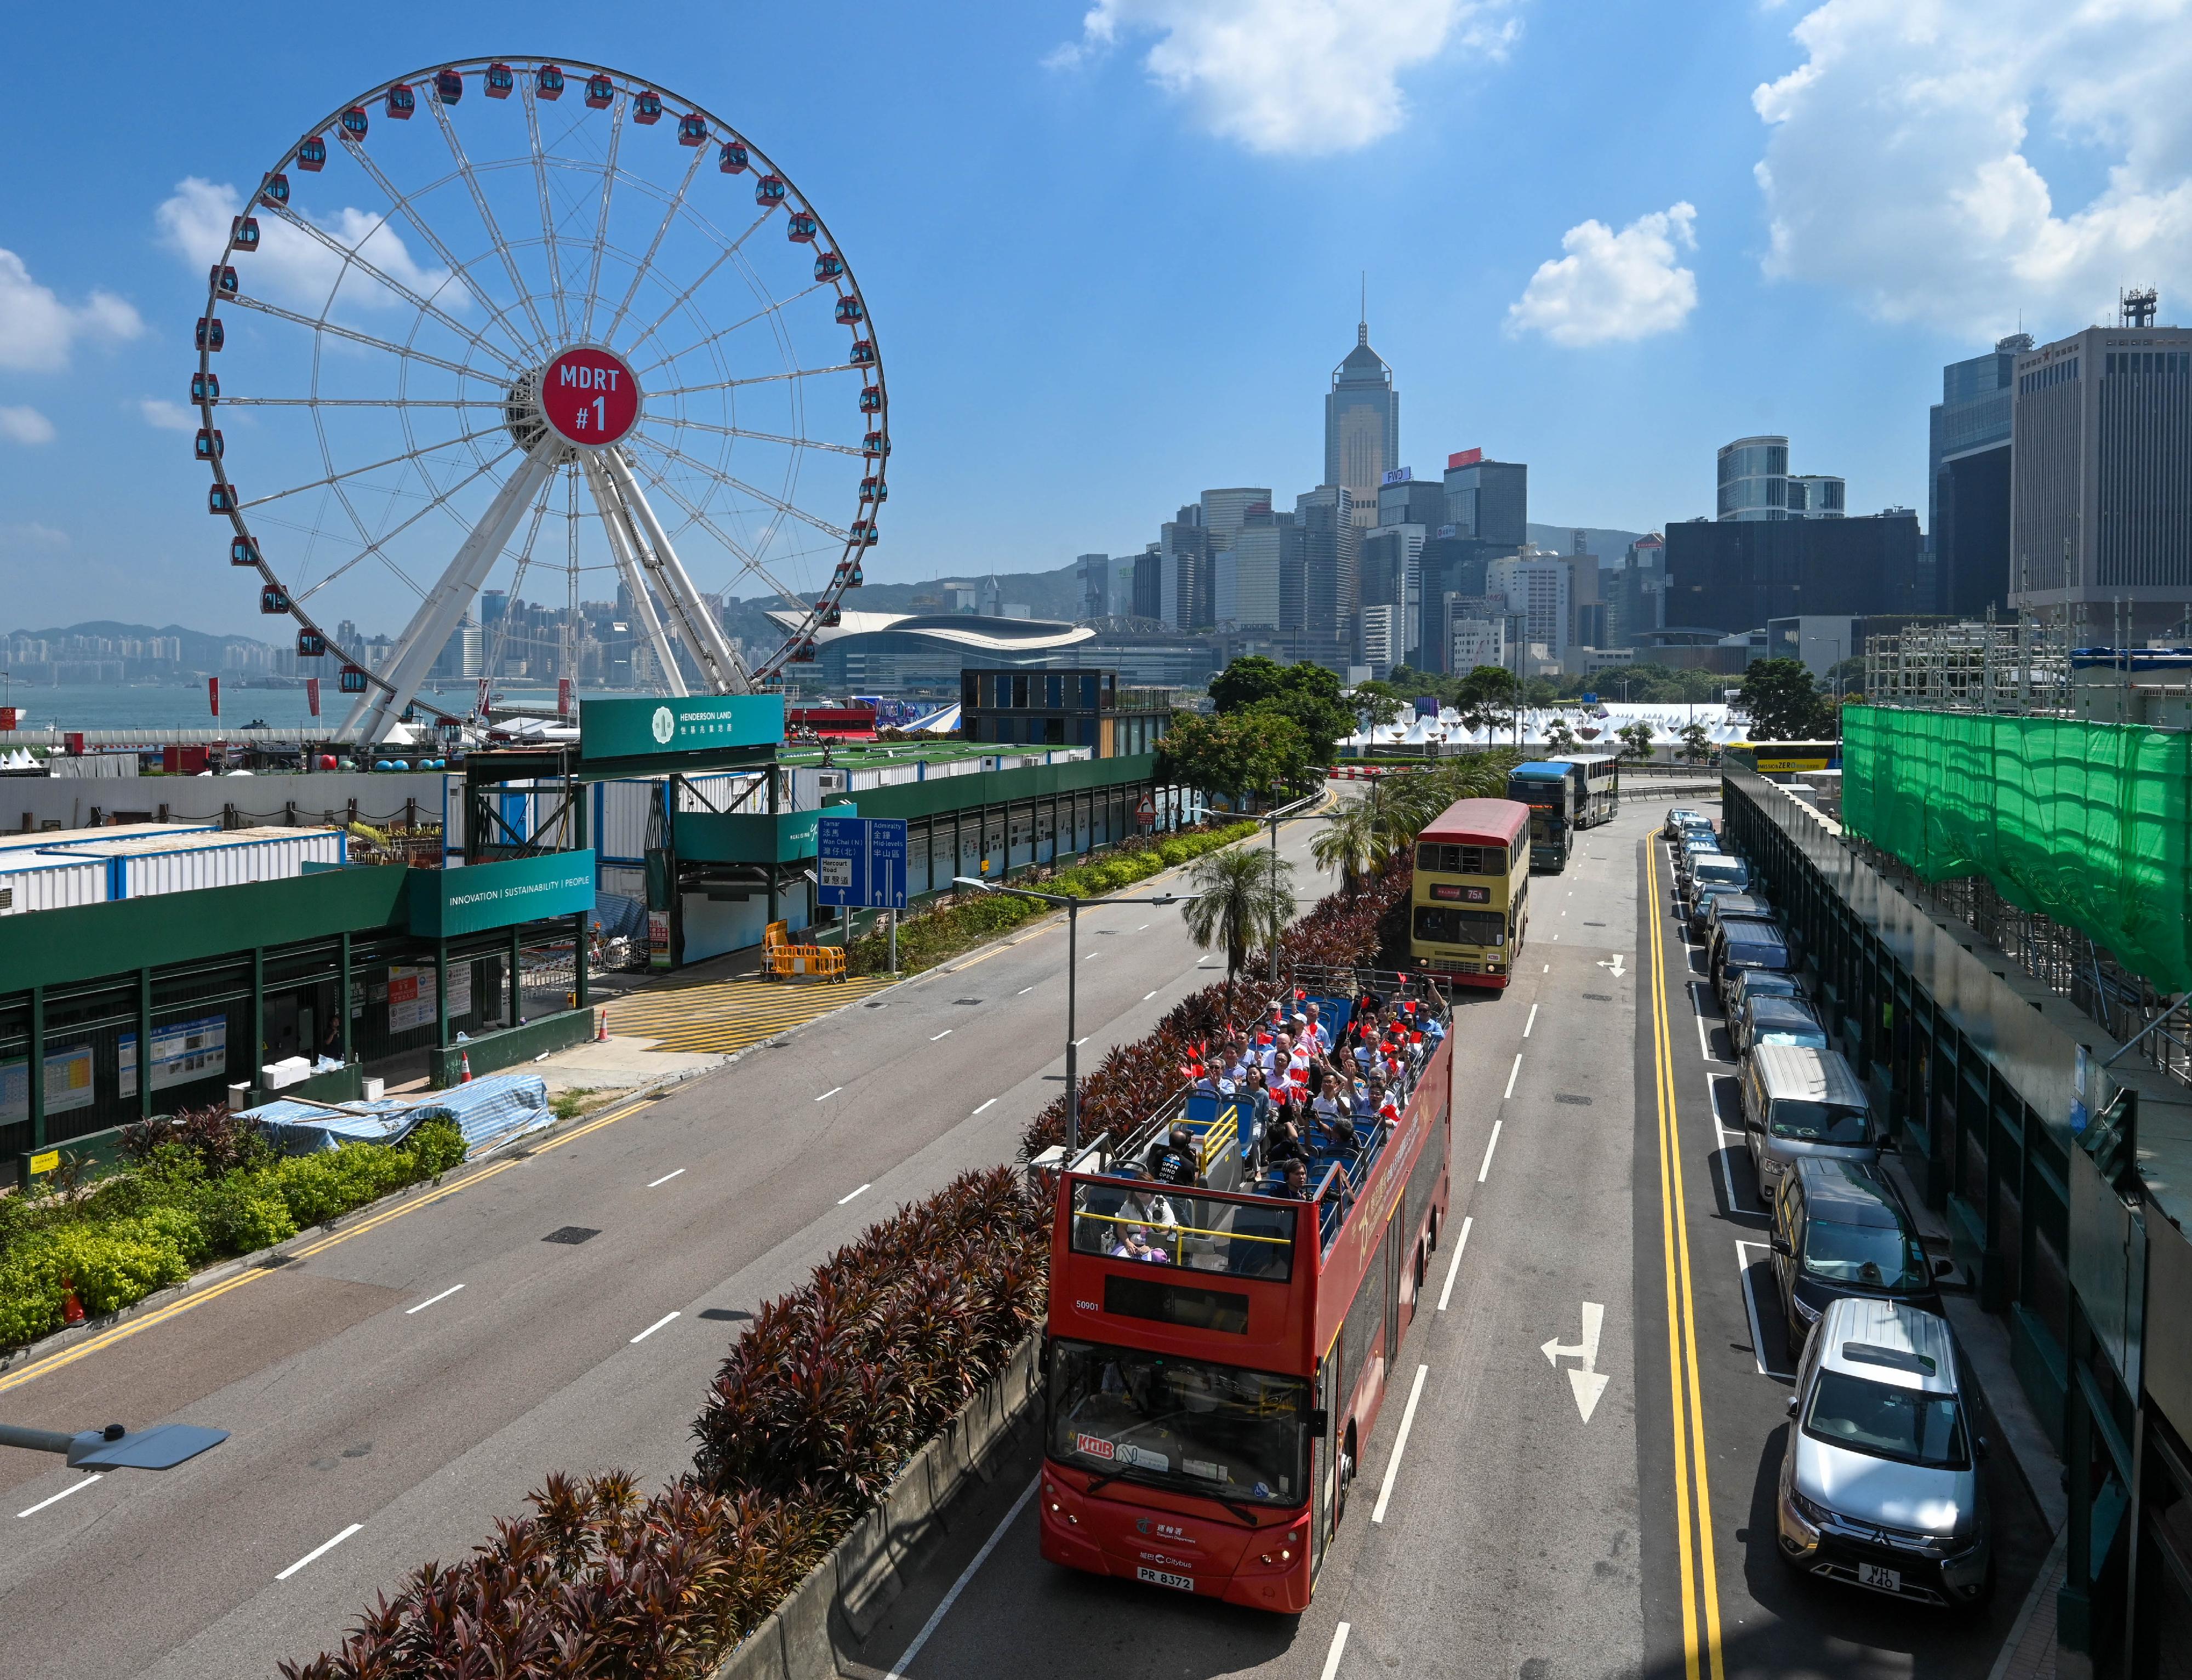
(484, 896)
(614, 729)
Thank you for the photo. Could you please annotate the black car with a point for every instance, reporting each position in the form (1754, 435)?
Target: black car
(1840, 1229)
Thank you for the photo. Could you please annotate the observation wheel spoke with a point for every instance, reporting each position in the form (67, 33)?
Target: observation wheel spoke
(757, 379)
(748, 562)
(516, 584)
(524, 292)
(777, 307)
(409, 457)
(376, 547)
(602, 219)
(680, 423)
(547, 211)
(699, 280)
(369, 402)
(322, 324)
(654, 245)
(352, 257)
(761, 496)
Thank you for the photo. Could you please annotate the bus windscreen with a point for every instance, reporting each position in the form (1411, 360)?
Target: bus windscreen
(1184, 1424)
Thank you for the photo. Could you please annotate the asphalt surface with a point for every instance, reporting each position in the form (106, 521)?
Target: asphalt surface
(401, 1388)
(1522, 1538)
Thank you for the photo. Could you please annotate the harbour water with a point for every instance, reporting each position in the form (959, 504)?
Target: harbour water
(176, 706)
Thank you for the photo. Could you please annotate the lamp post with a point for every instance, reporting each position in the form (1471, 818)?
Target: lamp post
(162, 1447)
(1073, 907)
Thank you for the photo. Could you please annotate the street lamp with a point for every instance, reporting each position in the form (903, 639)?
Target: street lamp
(1073, 908)
(162, 1447)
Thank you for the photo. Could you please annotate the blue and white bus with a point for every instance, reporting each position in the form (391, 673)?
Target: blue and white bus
(1597, 778)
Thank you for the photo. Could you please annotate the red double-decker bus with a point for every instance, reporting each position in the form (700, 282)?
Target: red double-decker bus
(1218, 1356)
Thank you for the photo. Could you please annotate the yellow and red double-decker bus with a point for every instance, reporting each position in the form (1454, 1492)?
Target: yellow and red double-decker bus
(1471, 898)
(1218, 1353)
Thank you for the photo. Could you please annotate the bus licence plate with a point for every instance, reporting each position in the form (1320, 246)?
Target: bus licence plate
(1184, 1583)
(1873, 1575)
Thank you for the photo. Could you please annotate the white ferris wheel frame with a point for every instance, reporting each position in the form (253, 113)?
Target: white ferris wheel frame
(642, 546)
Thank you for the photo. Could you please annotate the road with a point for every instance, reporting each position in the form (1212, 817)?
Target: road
(410, 1381)
(1523, 1537)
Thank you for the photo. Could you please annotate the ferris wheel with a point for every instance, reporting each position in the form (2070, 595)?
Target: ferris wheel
(507, 337)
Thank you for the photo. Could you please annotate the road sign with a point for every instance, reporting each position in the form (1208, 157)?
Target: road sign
(859, 862)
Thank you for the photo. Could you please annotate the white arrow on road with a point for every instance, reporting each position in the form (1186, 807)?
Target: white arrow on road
(1588, 1382)
(1615, 965)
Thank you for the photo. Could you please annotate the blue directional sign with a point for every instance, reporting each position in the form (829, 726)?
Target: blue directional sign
(859, 862)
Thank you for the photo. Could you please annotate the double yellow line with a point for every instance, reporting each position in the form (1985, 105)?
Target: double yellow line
(1702, 1657)
(198, 1298)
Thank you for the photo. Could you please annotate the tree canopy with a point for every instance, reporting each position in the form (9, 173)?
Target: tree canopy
(1307, 693)
(1251, 751)
(1784, 704)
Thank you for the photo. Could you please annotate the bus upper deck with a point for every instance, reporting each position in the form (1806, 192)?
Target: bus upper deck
(1471, 909)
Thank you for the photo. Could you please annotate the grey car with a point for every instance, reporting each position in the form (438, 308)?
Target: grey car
(1776, 1020)
(1879, 1483)
(1802, 1103)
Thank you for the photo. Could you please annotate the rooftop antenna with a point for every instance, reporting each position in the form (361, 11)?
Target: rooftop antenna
(1362, 323)
(2138, 307)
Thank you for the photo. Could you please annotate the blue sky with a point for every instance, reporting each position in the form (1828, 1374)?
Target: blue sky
(1112, 254)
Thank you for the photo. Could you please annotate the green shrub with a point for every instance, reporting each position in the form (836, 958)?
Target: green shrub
(435, 1148)
(31, 1289)
(121, 1263)
(240, 1216)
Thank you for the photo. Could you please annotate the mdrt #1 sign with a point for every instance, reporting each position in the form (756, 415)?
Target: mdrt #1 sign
(482, 895)
(859, 862)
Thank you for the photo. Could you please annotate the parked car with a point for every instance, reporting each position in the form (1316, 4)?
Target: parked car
(1740, 942)
(1761, 983)
(1681, 818)
(1802, 1103)
(1710, 906)
(1720, 868)
(1692, 847)
(1777, 1020)
(1880, 1483)
(1840, 1229)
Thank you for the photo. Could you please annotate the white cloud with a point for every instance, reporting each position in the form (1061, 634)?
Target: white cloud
(292, 267)
(1897, 166)
(26, 425)
(32, 535)
(1300, 76)
(38, 330)
(1613, 286)
(167, 416)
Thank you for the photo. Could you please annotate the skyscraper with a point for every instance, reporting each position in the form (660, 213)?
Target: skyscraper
(2101, 479)
(1756, 484)
(1331, 562)
(1487, 500)
(1967, 480)
(1361, 426)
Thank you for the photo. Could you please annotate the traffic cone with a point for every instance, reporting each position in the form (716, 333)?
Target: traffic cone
(602, 1026)
(464, 1068)
(71, 1308)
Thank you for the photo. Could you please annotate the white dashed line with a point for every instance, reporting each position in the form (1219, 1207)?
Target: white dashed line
(319, 1551)
(57, 1498)
(865, 1188)
(945, 1034)
(431, 1300)
(1454, 1271)
(666, 1178)
(1399, 1444)
(1530, 1022)
(1490, 1144)
(830, 1093)
(653, 1327)
(1332, 1657)
(1513, 1073)
(991, 1103)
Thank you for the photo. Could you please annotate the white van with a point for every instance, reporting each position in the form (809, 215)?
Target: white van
(1798, 1103)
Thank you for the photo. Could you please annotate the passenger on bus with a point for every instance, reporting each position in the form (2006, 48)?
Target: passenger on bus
(1138, 1246)
(1317, 1029)
(1295, 1185)
(1173, 1162)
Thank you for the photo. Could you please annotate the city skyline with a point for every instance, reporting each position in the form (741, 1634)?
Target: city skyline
(1632, 314)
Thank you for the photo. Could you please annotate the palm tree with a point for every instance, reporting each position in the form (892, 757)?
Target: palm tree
(1243, 894)
(1361, 839)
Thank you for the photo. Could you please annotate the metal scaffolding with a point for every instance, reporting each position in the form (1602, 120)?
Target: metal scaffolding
(2018, 667)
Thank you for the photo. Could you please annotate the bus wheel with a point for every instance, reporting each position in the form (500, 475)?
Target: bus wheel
(1346, 1475)
(1422, 1265)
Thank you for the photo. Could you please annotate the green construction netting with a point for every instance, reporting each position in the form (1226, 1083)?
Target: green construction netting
(2084, 822)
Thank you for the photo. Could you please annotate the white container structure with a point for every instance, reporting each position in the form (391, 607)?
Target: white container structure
(30, 882)
(45, 839)
(142, 867)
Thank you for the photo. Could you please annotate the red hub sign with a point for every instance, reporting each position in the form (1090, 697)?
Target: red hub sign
(590, 395)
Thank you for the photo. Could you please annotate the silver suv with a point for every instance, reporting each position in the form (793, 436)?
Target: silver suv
(1880, 1481)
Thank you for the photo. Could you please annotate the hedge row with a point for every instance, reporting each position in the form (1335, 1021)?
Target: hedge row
(206, 1186)
(952, 924)
(818, 1405)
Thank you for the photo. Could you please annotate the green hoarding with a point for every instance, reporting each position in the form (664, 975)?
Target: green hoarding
(443, 902)
(736, 837)
(648, 728)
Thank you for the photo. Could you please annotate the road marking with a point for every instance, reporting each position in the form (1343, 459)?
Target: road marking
(1726, 1172)
(1453, 1270)
(1332, 1657)
(1613, 963)
(665, 1177)
(431, 1300)
(320, 1551)
(1146, 996)
(991, 1103)
(653, 1327)
(1092, 956)
(945, 1034)
(1513, 1073)
(1704, 1047)
(1400, 1444)
(1547, 969)
(830, 1093)
(1530, 1022)
(1693, 1521)
(56, 1499)
(1024, 991)
(1490, 1144)
(958, 1586)
(1083, 1039)
(865, 1188)
(1750, 1303)
(250, 1275)
(1587, 1380)
(1144, 928)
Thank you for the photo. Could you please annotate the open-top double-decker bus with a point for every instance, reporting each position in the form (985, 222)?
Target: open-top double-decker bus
(1218, 1355)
